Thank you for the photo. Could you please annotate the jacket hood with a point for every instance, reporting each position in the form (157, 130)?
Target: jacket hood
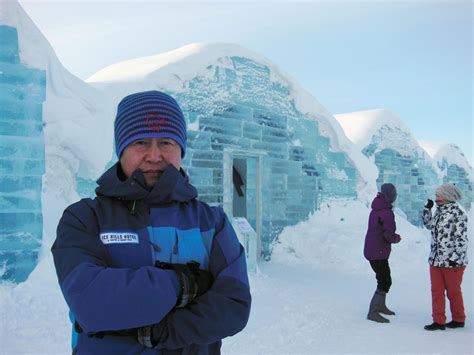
(172, 186)
(379, 203)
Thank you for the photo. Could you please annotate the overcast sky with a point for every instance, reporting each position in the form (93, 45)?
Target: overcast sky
(411, 57)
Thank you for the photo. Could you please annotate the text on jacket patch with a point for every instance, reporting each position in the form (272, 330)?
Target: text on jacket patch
(119, 238)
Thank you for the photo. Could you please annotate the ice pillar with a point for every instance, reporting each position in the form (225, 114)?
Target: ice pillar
(22, 160)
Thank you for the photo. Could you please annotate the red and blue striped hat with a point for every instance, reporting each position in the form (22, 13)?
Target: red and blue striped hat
(149, 114)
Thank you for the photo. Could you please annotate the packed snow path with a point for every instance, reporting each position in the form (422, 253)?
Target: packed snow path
(312, 298)
(297, 310)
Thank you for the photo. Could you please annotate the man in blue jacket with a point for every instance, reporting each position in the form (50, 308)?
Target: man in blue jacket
(145, 267)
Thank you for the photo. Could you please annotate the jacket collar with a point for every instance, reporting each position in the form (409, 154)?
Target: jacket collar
(173, 186)
(446, 207)
(379, 203)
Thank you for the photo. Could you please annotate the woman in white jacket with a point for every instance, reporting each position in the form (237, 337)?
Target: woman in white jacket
(448, 257)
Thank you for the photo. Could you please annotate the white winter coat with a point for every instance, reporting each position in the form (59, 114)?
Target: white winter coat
(449, 241)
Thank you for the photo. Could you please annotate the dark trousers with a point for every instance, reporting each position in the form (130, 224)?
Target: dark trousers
(382, 274)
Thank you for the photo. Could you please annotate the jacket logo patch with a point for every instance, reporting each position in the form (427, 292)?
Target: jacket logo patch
(119, 238)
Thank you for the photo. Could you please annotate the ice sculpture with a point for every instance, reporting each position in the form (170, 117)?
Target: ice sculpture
(458, 175)
(381, 135)
(293, 177)
(243, 114)
(248, 238)
(261, 135)
(22, 160)
(414, 178)
(86, 187)
(453, 166)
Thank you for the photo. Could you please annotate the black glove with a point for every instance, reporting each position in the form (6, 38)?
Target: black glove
(429, 204)
(452, 263)
(152, 335)
(194, 281)
(204, 279)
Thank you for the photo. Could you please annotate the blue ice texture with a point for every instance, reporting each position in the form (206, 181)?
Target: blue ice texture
(257, 118)
(248, 238)
(22, 160)
(239, 117)
(416, 180)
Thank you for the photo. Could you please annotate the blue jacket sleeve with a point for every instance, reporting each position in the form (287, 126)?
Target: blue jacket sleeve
(100, 297)
(223, 310)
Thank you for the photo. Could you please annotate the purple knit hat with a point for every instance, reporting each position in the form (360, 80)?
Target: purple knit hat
(389, 192)
(149, 114)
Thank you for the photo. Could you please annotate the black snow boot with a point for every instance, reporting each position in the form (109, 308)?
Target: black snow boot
(374, 308)
(454, 324)
(435, 326)
(382, 307)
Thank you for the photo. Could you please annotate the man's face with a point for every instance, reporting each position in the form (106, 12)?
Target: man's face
(151, 156)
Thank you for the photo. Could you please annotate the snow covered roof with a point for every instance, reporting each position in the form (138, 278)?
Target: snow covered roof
(361, 126)
(173, 70)
(382, 128)
(187, 61)
(32, 54)
(450, 153)
(74, 112)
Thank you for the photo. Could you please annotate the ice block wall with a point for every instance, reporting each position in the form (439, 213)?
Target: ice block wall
(240, 106)
(415, 176)
(415, 180)
(298, 167)
(459, 176)
(22, 160)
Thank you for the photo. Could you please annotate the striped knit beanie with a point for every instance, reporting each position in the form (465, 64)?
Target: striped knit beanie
(149, 114)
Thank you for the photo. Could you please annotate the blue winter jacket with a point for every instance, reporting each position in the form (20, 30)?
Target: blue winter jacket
(104, 255)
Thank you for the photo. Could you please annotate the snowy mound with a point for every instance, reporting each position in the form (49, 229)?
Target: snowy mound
(373, 131)
(446, 154)
(379, 126)
(174, 70)
(333, 239)
(74, 113)
(178, 71)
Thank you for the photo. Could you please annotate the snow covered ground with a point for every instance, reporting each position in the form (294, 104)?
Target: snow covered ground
(312, 298)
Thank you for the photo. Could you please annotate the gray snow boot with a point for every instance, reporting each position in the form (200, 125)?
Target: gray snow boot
(374, 308)
(382, 307)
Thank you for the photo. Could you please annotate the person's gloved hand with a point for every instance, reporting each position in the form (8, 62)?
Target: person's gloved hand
(152, 335)
(194, 281)
(429, 204)
(204, 279)
(452, 263)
